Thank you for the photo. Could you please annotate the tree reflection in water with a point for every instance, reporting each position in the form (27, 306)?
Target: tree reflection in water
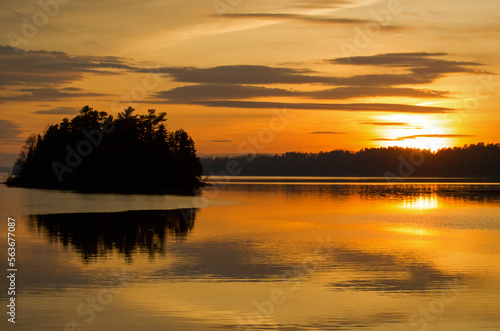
(95, 235)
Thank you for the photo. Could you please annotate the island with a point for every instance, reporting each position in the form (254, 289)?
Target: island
(94, 152)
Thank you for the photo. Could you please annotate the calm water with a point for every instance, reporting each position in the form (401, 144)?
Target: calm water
(258, 255)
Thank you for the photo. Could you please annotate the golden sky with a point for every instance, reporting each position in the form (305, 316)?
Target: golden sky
(268, 76)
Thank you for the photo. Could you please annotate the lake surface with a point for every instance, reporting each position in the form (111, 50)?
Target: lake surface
(258, 254)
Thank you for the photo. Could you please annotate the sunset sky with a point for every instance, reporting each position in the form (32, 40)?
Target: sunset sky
(278, 75)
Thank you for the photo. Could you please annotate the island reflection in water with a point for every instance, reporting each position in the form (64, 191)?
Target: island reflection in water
(350, 257)
(96, 235)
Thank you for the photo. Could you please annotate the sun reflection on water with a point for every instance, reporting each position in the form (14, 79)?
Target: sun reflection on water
(421, 202)
(412, 231)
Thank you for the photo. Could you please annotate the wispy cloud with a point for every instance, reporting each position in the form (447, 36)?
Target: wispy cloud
(425, 136)
(50, 94)
(327, 132)
(10, 133)
(57, 111)
(234, 92)
(44, 67)
(356, 107)
(242, 74)
(352, 92)
(385, 123)
(297, 17)
(218, 92)
(324, 4)
(309, 19)
(44, 76)
(421, 64)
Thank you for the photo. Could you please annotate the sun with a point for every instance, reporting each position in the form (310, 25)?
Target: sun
(414, 131)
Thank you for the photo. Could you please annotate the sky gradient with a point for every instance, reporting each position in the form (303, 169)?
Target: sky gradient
(279, 76)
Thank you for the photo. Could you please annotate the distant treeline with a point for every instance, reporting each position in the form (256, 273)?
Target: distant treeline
(98, 153)
(478, 160)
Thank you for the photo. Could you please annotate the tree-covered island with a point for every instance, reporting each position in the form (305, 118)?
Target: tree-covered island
(94, 152)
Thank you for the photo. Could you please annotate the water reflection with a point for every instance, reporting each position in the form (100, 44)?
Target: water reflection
(95, 235)
(340, 191)
(351, 257)
(391, 272)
